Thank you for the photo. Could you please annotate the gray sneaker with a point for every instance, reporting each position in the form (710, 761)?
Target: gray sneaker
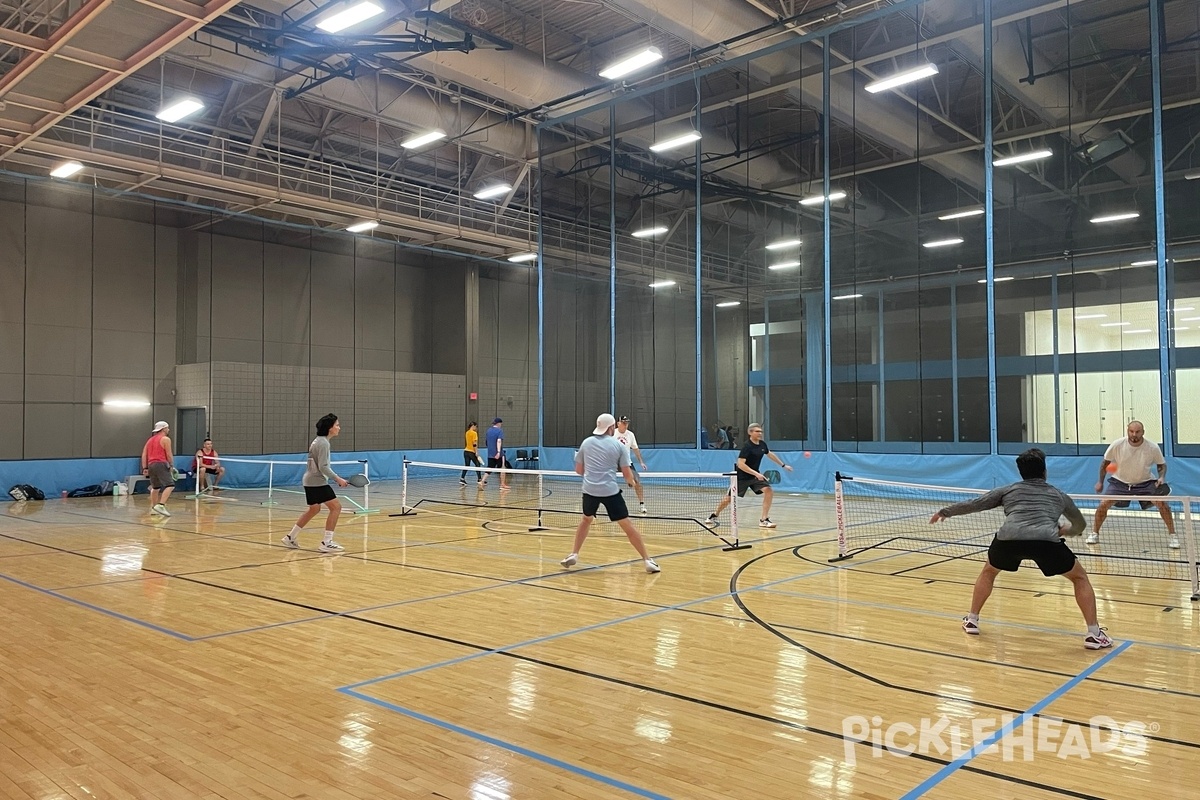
(161, 509)
(290, 541)
(330, 547)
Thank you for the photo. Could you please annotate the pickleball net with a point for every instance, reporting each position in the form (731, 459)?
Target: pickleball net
(677, 503)
(1134, 542)
(270, 482)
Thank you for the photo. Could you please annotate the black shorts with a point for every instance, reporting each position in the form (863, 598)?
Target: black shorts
(160, 475)
(1052, 558)
(315, 495)
(498, 463)
(753, 483)
(614, 505)
(213, 468)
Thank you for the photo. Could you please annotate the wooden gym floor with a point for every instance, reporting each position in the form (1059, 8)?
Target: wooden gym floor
(195, 657)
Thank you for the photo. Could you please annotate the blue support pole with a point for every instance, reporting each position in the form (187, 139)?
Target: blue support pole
(989, 227)
(612, 258)
(541, 317)
(1160, 233)
(766, 421)
(813, 360)
(699, 374)
(954, 357)
(1054, 334)
(827, 237)
(882, 370)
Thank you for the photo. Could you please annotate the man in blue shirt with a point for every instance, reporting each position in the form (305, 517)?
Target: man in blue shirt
(495, 452)
(599, 459)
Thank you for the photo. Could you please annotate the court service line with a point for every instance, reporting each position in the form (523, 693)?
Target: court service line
(945, 772)
(509, 746)
(101, 609)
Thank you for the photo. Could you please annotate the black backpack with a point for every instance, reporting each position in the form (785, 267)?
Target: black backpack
(24, 491)
(95, 490)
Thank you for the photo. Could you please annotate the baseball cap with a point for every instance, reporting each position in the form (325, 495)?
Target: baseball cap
(603, 423)
(497, 419)
(622, 418)
(158, 426)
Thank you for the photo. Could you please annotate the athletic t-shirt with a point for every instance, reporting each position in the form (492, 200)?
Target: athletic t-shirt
(319, 472)
(1031, 510)
(1133, 463)
(753, 454)
(472, 445)
(494, 435)
(601, 457)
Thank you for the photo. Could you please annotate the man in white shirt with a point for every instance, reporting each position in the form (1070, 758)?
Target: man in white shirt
(1133, 456)
(626, 437)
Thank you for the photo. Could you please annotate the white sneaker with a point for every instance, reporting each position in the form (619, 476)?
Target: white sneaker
(1097, 641)
(570, 560)
(652, 566)
(765, 522)
(161, 509)
(1173, 543)
(330, 547)
(643, 509)
(289, 541)
(711, 522)
(1092, 538)
(970, 627)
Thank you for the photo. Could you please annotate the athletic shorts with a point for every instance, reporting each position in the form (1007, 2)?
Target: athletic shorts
(213, 468)
(498, 463)
(1052, 557)
(1114, 486)
(614, 506)
(160, 475)
(753, 484)
(315, 495)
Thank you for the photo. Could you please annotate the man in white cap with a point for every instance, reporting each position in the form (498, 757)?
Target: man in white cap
(599, 459)
(157, 462)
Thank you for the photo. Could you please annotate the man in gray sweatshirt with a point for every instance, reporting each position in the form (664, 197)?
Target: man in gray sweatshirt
(1036, 517)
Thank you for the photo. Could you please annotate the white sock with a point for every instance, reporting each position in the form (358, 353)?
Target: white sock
(295, 531)
(328, 537)
(973, 617)
(1094, 630)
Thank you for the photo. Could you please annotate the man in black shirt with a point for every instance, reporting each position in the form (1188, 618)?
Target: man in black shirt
(748, 476)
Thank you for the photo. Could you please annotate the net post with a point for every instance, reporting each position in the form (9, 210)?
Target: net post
(270, 501)
(405, 511)
(839, 508)
(540, 526)
(365, 508)
(1189, 535)
(733, 518)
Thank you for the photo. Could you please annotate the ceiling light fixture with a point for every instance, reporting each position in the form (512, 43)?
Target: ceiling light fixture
(997, 280)
(845, 296)
(1192, 176)
(729, 304)
(646, 233)
(521, 258)
(362, 227)
(1150, 263)
(901, 78)
(661, 284)
(1121, 217)
(179, 109)
(1034, 155)
(633, 63)
(359, 12)
(972, 212)
(1139, 330)
(493, 192)
(785, 265)
(423, 139)
(816, 200)
(677, 141)
(1090, 316)
(944, 242)
(66, 169)
(784, 244)
(127, 403)
(1114, 324)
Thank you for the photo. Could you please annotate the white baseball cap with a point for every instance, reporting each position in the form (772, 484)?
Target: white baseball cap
(158, 426)
(603, 423)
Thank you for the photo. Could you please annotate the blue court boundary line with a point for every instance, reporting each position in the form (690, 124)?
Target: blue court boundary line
(102, 610)
(954, 766)
(509, 746)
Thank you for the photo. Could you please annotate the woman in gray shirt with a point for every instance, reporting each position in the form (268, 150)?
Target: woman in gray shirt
(317, 490)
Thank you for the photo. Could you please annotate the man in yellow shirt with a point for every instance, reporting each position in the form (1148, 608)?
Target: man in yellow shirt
(471, 455)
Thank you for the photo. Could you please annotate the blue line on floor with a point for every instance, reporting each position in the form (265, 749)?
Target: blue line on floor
(107, 612)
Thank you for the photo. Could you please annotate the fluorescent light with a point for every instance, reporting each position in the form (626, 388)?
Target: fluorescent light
(1021, 158)
(493, 191)
(360, 12)
(1090, 316)
(973, 212)
(784, 265)
(784, 244)
(423, 139)
(661, 284)
(127, 403)
(633, 63)
(646, 233)
(360, 227)
(180, 109)
(66, 169)
(1149, 263)
(901, 78)
(1114, 324)
(1185, 308)
(729, 304)
(944, 242)
(520, 258)
(678, 141)
(816, 200)
(1190, 319)
(1191, 176)
(1181, 328)
(1139, 330)
(1124, 215)
(845, 296)
(997, 280)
